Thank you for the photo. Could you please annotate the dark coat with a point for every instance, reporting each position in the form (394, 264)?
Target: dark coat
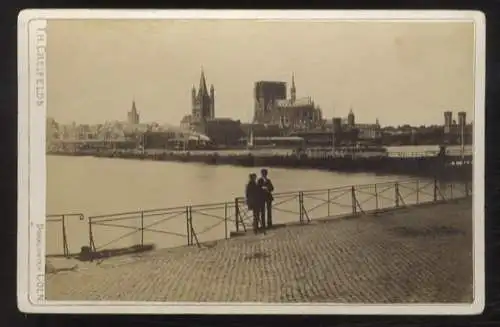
(269, 188)
(254, 195)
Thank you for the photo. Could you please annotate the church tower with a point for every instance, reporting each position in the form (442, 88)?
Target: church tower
(203, 104)
(293, 90)
(133, 115)
(203, 100)
(350, 118)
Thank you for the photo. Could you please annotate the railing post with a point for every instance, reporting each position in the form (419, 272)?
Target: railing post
(301, 211)
(376, 197)
(91, 240)
(225, 220)
(236, 214)
(65, 241)
(435, 189)
(353, 199)
(190, 222)
(187, 226)
(142, 228)
(418, 191)
(451, 191)
(328, 198)
(396, 194)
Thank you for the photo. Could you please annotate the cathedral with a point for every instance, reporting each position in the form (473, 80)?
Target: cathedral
(271, 106)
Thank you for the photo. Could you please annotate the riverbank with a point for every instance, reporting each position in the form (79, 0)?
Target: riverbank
(401, 256)
(430, 166)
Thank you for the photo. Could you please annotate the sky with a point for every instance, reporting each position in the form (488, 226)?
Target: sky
(398, 72)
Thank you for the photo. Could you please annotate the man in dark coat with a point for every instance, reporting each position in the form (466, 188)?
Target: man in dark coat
(255, 200)
(268, 188)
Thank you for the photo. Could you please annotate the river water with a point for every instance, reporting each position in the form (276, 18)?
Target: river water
(98, 186)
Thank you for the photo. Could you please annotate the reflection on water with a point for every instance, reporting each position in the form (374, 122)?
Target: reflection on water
(95, 186)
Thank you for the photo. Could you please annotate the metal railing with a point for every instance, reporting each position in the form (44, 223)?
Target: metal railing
(354, 200)
(429, 153)
(199, 224)
(57, 225)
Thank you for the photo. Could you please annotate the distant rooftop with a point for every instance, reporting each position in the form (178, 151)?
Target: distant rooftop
(305, 101)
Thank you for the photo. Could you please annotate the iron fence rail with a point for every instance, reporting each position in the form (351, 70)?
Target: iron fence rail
(197, 224)
(60, 222)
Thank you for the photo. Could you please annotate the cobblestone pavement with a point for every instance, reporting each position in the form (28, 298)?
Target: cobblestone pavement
(421, 254)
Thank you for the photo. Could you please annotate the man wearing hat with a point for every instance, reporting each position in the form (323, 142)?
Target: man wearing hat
(268, 188)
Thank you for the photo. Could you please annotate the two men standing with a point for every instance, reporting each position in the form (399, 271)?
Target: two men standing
(259, 198)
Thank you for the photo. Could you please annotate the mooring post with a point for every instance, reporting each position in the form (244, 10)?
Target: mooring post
(466, 185)
(353, 199)
(396, 194)
(376, 196)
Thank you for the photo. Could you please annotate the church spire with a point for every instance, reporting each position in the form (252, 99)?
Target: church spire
(293, 91)
(134, 109)
(202, 89)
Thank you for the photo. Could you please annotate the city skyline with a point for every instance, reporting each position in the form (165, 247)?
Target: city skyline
(426, 68)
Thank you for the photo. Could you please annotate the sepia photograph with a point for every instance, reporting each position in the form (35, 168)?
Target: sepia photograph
(270, 161)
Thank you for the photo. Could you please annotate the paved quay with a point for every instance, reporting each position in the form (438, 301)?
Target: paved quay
(411, 255)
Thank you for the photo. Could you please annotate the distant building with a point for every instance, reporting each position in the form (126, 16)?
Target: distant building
(202, 120)
(364, 131)
(263, 130)
(271, 106)
(224, 131)
(448, 121)
(453, 130)
(186, 122)
(202, 105)
(133, 116)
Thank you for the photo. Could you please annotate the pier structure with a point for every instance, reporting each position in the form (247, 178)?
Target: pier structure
(100, 236)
